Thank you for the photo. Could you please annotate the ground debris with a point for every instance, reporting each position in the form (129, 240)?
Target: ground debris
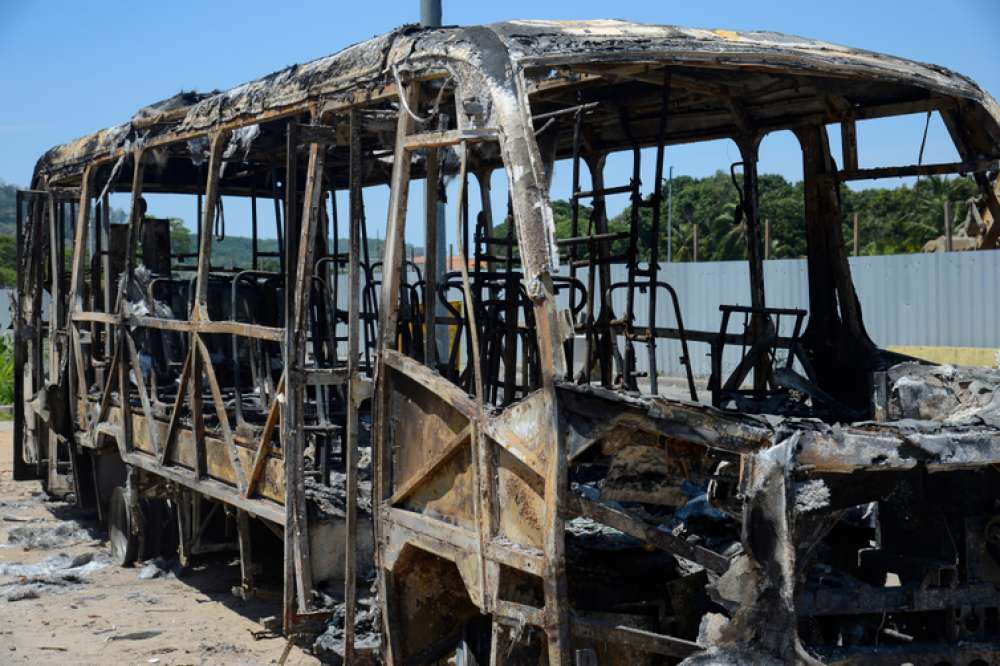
(160, 567)
(46, 537)
(57, 571)
(329, 646)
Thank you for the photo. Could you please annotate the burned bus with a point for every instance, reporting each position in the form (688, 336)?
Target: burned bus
(492, 440)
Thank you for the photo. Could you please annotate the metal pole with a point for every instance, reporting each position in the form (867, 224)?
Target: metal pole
(670, 214)
(767, 238)
(947, 226)
(694, 241)
(430, 17)
(857, 235)
(430, 13)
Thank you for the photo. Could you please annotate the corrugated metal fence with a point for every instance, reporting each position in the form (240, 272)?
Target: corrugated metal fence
(946, 299)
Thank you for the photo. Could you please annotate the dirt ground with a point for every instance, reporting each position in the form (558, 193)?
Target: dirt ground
(61, 601)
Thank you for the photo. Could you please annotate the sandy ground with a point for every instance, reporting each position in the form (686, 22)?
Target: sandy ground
(88, 611)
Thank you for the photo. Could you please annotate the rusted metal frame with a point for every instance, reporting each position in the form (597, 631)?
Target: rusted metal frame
(849, 144)
(575, 227)
(486, 210)
(452, 538)
(850, 306)
(264, 445)
(110, 381)
(61, 193)
(450, 448)
(388, 317)
(134, 226)
(104, 232)
(55, 289)
(965, 167)
(21, 470)
(175, 413)
(518, 557)
(784, 63)
(135, 223)
(28, 328)
(627, 372)
(220, 411)
(634, 638)
(99, 289)
(246, 554)
(433, 170)
(908, 598)
(621, 521)
(517, 614)
(147, 409)
(444, 390)
(654, 249)
(199, 311)
(609, 351)
(124, 391)
(444, 138)
(217, 142)
(292, 476)
(483, 507)
(98, 317)
(76, 294)
(748, 145)
(342, 103)
(333, 260)
(521, 153)
(970, 144)
(203, 327)
(755, 356)
(355, 175)
(209, 487)
(556, 482)
(361, 96)
(79, 390)
(296, 336)
(461, 225)
(486, 515)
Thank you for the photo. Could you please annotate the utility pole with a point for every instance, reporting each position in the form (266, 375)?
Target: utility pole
(767, 238)
(857, 235)
(670, 214)
(947, 225)
(430, 17)
(430, 13)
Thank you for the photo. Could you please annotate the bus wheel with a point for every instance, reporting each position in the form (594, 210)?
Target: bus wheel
(124, 542)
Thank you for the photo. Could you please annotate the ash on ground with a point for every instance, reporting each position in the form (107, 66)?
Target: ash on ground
(329, 646)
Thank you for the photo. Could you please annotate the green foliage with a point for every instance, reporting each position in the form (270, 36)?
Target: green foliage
(8, 262)
(891, 221)
(6, 370)
(181, 241)
(8, 220)
(901, 220)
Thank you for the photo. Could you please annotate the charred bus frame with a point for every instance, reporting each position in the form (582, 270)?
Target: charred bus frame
(487, 454)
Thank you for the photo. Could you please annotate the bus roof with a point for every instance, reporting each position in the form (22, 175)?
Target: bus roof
(363, 70)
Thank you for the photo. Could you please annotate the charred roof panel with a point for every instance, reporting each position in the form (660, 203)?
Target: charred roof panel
(525, 43)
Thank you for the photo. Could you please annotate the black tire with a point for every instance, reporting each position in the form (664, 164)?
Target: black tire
(159, 529)
(124, 543)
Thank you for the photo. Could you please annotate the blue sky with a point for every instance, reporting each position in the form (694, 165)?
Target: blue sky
(70, 68)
